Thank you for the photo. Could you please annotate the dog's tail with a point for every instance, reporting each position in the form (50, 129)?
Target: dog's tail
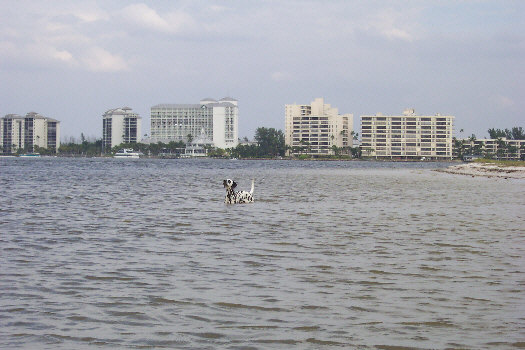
(253, 186)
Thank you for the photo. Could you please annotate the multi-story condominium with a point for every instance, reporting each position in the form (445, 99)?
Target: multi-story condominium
(407, 136)
(316, 128)
(183, 122)
(27, 133)
(491, 148)
(120, 125)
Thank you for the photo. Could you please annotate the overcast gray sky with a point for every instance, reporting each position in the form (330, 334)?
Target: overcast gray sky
(73, 60)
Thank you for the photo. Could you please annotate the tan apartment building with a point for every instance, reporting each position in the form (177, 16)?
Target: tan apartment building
(25, 133)
(316, 128)
(491, 148)
(407, 136)
(120, 125)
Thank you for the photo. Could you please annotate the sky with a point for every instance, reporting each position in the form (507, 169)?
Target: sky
(74, 60)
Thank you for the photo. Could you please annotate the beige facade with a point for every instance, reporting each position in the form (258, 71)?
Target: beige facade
(120, 125)
(492, 148)
(28, 132)
(316, 128)
(407, 136)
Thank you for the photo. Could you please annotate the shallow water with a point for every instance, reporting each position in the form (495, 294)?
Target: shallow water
(106, 253)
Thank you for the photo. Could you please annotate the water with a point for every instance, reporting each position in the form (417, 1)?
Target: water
(143, 254)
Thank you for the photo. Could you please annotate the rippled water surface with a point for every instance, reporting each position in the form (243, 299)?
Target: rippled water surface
(139, 254)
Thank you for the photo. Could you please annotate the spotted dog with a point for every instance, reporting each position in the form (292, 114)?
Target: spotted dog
(233, 197)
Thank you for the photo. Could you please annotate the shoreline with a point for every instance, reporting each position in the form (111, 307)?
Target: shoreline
(256, 158)
(486, 170)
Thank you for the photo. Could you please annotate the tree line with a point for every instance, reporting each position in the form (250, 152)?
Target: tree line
(92, 149)
(270, 143)
(515, 133)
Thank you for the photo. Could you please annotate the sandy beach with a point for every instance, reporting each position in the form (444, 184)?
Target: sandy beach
(486, 170)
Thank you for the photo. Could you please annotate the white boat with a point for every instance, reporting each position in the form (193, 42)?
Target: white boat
(127, 153)
(30, 155)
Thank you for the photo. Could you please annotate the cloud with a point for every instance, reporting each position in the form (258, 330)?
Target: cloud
(281, 76)
(392, 25)
(503, 101)
(61, 38)
(396, 33)
(8, 49)
(90, 16)
(34, 54)
(143, 15)
(99, 60)
(217, 8)
(60, 55)
(146, 17)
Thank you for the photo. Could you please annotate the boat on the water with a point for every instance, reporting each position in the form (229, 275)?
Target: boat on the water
(30, 155)
(127, 153)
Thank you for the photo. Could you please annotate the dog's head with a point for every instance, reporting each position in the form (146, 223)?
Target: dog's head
(229, 184)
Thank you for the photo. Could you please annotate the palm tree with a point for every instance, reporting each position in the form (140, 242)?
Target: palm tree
(305, 146)
(477, 149)
(457, 146)
(518, 133)
(502, 147)
(288, 149)
(513, 150)
(300, 148)
(471, 143)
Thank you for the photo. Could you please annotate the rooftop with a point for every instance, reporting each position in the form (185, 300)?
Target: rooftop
(120, 111)
(195, 106)
(33, 115)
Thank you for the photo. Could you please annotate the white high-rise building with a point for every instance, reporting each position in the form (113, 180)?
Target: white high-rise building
(407, 136)
(316, 128)
(181, 122)
(120, 125)
(26, 133)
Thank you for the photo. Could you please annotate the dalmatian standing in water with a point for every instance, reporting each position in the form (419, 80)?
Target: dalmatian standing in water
(233, 197)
